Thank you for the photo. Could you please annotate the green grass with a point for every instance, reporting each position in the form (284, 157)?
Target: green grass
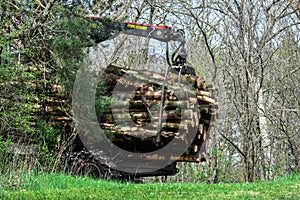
(54, 186)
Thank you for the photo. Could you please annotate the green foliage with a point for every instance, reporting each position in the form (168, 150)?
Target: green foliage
(49, 136)
(51, 40)
(3, 154)
(102, 102)
(68, 48)
(16, 113)
(54, 186)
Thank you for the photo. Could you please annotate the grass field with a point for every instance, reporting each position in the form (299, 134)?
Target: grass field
(55, 186)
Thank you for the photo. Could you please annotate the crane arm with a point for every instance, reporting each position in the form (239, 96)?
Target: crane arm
(161, 33)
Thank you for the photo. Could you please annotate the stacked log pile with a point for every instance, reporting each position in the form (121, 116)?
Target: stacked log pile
(132, 117)
(132, 120)
(50, 106)
(39, 97)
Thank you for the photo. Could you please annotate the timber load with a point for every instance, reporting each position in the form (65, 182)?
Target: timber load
(128, 106)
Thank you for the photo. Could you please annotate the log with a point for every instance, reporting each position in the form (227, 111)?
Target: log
(203, 93)
(62, 118)
(139, 78)
(150, 127)
(206, 99)
(139, 104)
(54, 110)
(143, 114)
(195, 159)
(200, 83)
(54, 100)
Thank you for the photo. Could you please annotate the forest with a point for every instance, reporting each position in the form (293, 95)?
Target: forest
(249, 49)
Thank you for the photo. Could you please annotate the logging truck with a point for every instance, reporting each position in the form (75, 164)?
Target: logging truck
(153, 121)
